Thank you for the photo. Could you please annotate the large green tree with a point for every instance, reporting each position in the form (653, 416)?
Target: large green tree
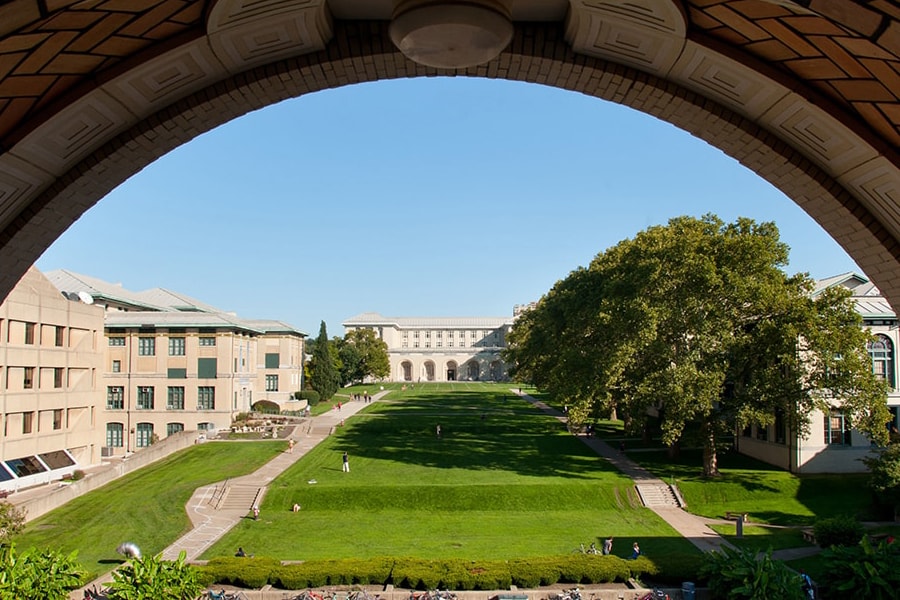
(363, 355)
(696, 322)
(323, 372)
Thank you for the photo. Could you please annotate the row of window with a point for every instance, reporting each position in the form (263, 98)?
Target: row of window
(836, 429)
(115, 433)
(146, 397)
(29, 422)
(451, 334)
(33, 377)
(147, 345)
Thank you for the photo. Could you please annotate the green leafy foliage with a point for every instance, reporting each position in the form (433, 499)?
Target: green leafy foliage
(884, 467)
(419, 573)
(838, 531)
(862, 571)
(44, 574)
(324, 376)
(362, 354)
(151, 578)
(12, 521)
(311, 396)
(698, 320)
(736, 574)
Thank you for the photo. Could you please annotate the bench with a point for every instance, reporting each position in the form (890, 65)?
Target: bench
(808, 535)
(732, 515)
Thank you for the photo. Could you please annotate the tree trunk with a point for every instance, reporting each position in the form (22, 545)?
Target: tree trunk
(674, 450)
(710, 460)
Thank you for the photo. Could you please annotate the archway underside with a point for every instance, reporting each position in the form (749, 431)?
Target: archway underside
(803, 93)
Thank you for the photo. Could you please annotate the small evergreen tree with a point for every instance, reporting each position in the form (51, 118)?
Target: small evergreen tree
(324, 376)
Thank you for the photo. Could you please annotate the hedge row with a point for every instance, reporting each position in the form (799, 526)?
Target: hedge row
(455, 574)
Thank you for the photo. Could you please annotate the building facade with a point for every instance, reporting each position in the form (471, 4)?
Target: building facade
(52, 370)
(832, 445)
(440, 348)
(171, 363)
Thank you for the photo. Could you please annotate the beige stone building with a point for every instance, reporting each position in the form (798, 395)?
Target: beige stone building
(52, 371)
(440, 348)
(833, 446)
(171, 363)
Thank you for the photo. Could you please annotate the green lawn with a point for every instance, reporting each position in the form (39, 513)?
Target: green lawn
(770, 495)
(146, 507)
(502, 481)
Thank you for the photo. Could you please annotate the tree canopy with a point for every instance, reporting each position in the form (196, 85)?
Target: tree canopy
(362, 354)
(697, 322)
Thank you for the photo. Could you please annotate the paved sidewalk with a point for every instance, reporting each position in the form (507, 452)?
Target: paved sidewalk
(211, 523)
(690, 526)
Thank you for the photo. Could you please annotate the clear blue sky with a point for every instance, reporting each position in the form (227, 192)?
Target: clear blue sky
(421, 197)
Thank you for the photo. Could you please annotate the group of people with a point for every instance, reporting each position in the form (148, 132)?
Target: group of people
(608, 544)
(364, 397)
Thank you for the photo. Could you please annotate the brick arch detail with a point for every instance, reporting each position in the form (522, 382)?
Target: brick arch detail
(362, 52)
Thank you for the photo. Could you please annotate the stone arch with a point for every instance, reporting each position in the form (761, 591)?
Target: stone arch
(406, 371)
(473, 370)
(74, 128)
(428, 371)
(452, 370)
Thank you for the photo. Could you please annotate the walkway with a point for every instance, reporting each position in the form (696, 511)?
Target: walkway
(215, 509)
(690, 526)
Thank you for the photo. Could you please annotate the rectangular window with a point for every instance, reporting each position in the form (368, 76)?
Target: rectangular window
(57, 418)
(28, 380)
(147, 346)
(271, 383)
(144, 435)
(175, 398)
(206, 397)
(837, 431)
(60, 333)
(117, 341)
(115, 435)
(404, 344)
(415, 334)
(438, 334)
(117, 366)
(58, 374)
(173, 428)
(450, 343)
(145, 397)
(272, 360)
(762, 432)
(780, 427)
(437, 343)
(176, 346)
(427, 335)
(115, 397)
(207, 341)
(27, 422)
(177, 373)
(206, 368)
(29, 333)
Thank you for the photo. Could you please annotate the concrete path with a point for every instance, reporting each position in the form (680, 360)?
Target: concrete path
(215, 509)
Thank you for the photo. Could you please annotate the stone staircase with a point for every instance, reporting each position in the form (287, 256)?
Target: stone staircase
(240, 497)
(657, 494)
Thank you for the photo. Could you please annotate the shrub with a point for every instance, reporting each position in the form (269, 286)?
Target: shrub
(737, 574)
(77, 475)
(244, 571)
(151, 578)
(44, 574)
(838, 531)
(12, 521)
(310, 396)
(863, 571)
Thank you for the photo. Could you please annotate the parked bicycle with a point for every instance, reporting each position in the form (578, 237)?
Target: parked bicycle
(592, 549)
(570, 594)
(656, 594)
(223, 595)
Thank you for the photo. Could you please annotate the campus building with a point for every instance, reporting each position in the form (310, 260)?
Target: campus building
(440, 348)
(52, 371)
(170, 363)
(832, 445)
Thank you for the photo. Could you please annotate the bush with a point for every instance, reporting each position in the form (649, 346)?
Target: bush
(44, 574)
(241, 571)
(838, 531)
(77, 475)
(151, 578)
(863, 571)
(310, 396)
(737, 574)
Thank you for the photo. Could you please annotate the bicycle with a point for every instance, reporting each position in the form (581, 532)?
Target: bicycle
(656, 594)
(223, 595)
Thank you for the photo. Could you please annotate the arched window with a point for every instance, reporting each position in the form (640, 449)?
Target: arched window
(882, 352)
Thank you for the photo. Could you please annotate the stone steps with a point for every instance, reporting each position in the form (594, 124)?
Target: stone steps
(239, 497)
(657, 494)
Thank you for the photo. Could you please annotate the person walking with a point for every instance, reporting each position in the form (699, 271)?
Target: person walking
(346, 461)
(290, 446)
(255, 513)
(636, 551)
(607, 545)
